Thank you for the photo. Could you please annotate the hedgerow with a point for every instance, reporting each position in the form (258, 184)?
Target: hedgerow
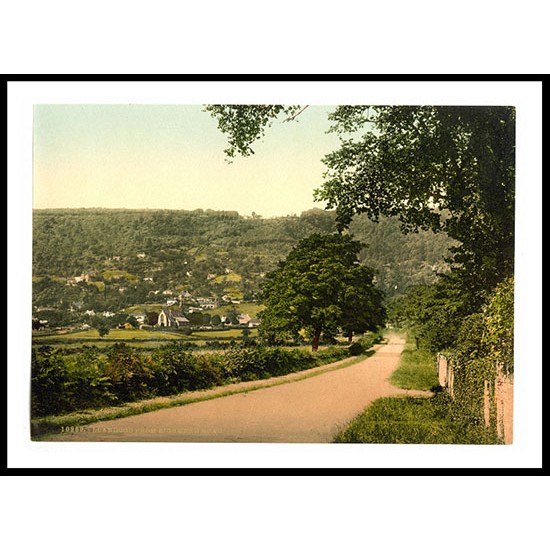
(484, 346)
(64, 383)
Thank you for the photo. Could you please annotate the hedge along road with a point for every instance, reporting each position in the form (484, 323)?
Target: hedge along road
(312, 410)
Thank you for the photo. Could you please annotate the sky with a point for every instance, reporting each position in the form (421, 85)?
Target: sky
(171, 156)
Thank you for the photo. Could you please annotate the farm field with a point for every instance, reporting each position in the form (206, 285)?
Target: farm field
(114, 334)
(246, 308)
(135, 337)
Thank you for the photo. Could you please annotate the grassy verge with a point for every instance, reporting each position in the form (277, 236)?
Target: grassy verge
(416, 370)
(42, 427)
(416, 420)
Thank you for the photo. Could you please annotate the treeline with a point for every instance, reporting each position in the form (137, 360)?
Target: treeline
(63, 383)
(208, 253)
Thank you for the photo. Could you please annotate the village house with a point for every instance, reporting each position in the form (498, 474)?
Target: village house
(172, 318)
(39, 324)
(254, 322)
(141, 318)
(75, 280)
(244, 319)
(207, 303)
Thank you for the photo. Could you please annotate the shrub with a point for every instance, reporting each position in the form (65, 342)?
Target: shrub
(356, 349)
(368, 340)
(48, 378)
(209, 371)
(87, 385)
(128, 373)
(329, 355)
(174, 368)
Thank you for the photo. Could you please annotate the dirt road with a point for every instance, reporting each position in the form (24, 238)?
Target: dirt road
(306, 411)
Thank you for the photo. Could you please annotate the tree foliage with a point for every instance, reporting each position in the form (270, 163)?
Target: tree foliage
(432, 313)
(244, 124)
(319, 288)
(448, 169)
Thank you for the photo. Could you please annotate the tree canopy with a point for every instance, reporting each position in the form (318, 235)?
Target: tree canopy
(319, 288)
(444, 168)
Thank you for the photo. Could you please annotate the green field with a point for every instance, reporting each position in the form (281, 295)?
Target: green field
(135, 337)
(100, 285)
(230, 278)
(111, 274)
(246, 308)
(231, 333)
(141, 308)
(114, 334)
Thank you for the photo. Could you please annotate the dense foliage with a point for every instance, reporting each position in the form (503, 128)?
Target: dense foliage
(479, 345)
(444, 168)
(448, 169)
(67, 382)
(319, 288)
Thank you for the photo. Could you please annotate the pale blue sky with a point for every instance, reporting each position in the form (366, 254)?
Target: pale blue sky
(171, 156)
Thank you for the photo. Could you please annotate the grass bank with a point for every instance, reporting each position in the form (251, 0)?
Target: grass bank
(416, 370)
(414, 420)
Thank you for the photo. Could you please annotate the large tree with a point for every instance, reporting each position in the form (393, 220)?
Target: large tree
(318, 288)
(448, 169)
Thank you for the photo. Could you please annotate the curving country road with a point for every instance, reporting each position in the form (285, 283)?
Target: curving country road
(305, 411)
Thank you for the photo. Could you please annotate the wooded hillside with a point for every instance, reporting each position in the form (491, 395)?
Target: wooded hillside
(207, 253)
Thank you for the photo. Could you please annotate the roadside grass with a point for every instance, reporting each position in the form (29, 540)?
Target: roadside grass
(413, 420)
(44, 426)
(416, 370)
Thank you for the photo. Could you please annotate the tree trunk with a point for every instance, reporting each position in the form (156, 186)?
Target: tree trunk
(350, 336)
(315, 344)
